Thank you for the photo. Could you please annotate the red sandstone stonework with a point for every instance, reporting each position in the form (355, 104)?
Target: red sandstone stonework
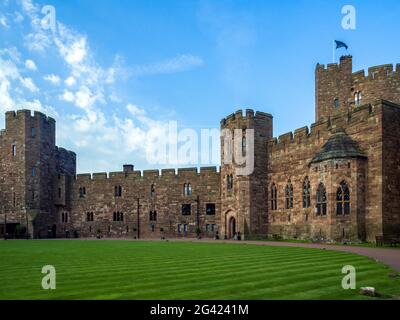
(57, 202)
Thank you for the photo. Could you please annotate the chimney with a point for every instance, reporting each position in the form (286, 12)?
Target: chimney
(128, 167)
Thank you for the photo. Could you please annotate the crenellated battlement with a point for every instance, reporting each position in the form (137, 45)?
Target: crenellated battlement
(324, 127)
(338, 88)
(246, 115)
(28, 114)
(148, 174)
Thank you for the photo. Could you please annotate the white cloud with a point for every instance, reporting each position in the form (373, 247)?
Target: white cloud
(52, 78)
(70, 81)
(30, 65)
(91, 119)
(68, 96)
(29, 84)
(3, 21)
(180, 63)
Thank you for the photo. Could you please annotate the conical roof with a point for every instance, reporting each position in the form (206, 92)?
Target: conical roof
(338, 146)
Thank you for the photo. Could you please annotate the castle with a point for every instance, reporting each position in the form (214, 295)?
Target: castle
(338, 180)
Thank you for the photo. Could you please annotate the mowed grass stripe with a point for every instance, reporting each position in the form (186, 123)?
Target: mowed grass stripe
(128, 269)
(122, 273)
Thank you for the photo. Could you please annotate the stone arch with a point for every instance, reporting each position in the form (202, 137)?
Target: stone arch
(231, 224)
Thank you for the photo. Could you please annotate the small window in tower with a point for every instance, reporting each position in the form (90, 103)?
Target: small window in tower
(358, 98)
(336, 103)
(33, 132)
(33, 172)
(14, 150)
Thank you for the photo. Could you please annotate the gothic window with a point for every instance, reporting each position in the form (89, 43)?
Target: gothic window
(343, 199)
(358, 98)
(306, 193)
(289, 195)
(274, 197)
(187, 189)
(229, 181)
(321, 200)
(118, 191)
(243, 145)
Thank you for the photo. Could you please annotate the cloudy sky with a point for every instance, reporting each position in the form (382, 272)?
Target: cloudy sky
(114, 73)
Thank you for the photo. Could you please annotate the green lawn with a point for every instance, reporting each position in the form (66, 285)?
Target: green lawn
(183, 270)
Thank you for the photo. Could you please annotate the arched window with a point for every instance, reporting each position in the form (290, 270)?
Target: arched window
(274, 197)
(229, 182)
(118, 191)
(289, 195)
(358, 98)
(336, 103)
(306, 193)
(187, 189)
(343, 199)
(321, 200)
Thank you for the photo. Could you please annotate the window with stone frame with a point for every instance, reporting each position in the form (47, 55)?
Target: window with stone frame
(321, 200)
(274, 197)
(82, 192)
(343, 199)
(229, 181)
(118, 216)
(187, 189)
(306, 193)
(89, 216)
(117, 191)
(186, 209)
(244, 144)
(358, 98)
(153, 216)
(289, 195)
(210, 209)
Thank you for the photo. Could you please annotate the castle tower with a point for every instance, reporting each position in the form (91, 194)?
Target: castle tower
(28, 143)
(333, 88)
(243, 192)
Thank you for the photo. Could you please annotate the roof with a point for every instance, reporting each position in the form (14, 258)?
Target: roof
(338, 146)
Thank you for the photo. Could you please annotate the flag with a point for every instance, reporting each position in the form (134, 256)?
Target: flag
(340, 44)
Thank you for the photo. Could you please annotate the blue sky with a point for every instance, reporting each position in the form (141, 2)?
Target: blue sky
(115, 71)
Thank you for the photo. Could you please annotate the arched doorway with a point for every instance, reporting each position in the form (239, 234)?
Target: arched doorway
(231, 227)
(54, 231)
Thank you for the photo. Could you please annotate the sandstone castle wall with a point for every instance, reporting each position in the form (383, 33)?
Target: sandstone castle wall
(354, 142)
